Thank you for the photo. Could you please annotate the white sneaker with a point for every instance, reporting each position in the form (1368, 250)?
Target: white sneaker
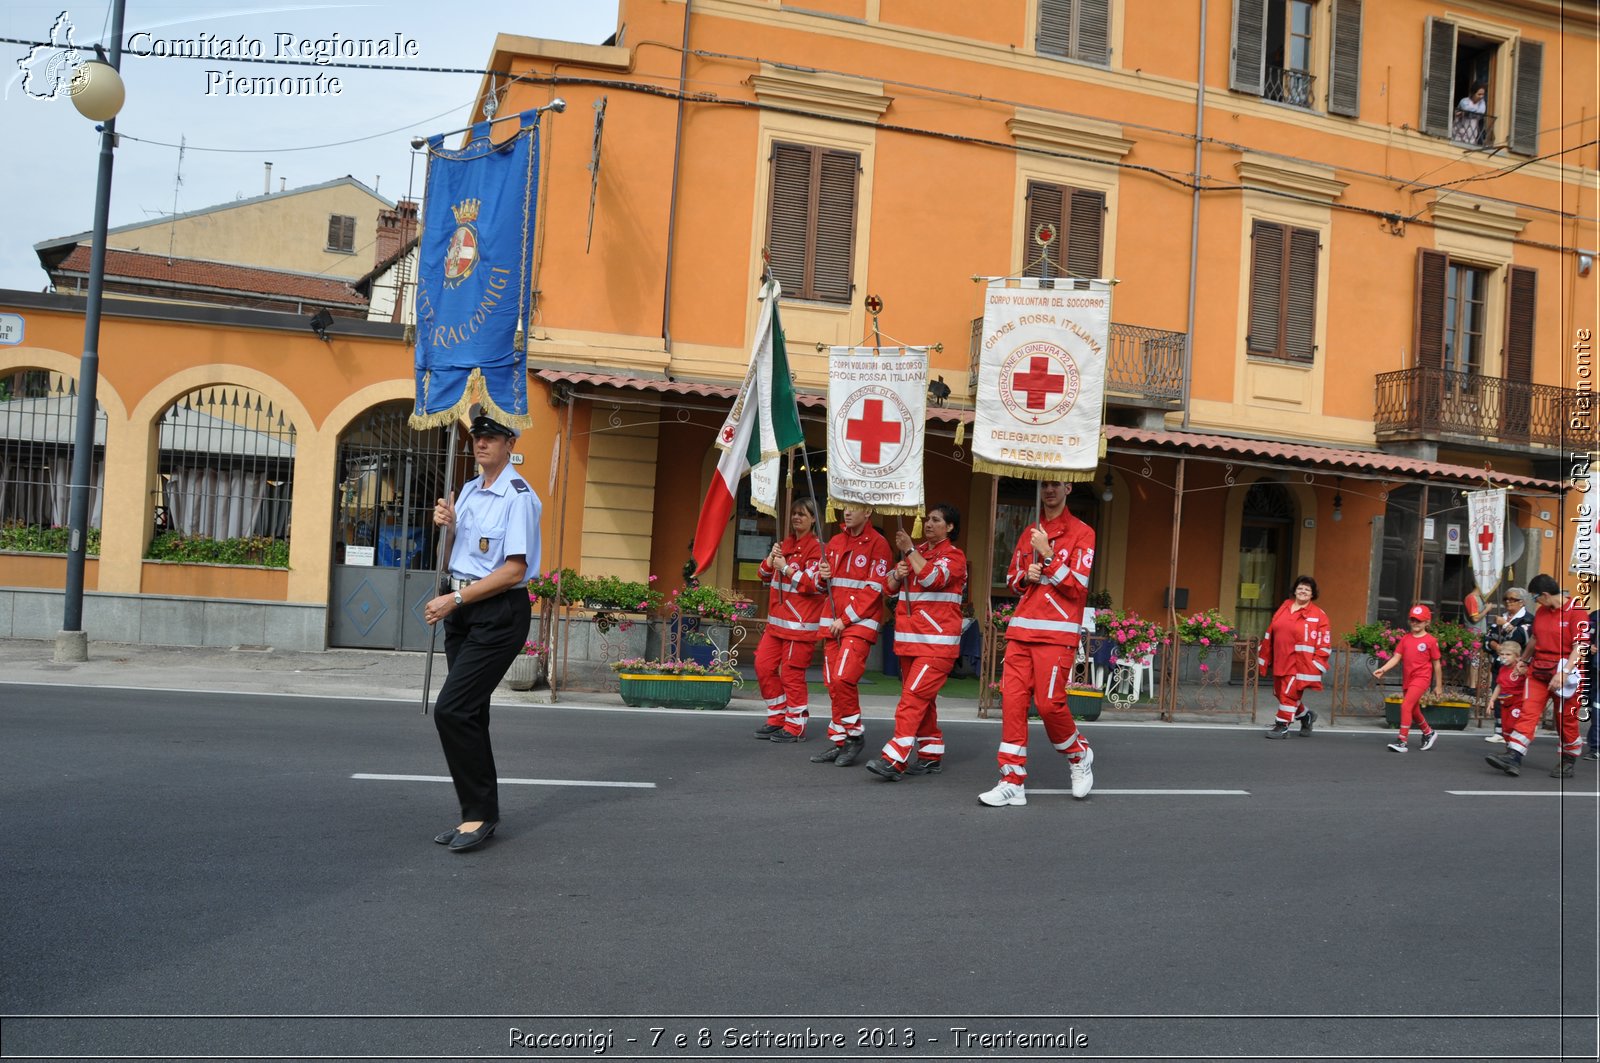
(1429, 739)
(1496, 737)
(1082, 775)
(1003, 794)
(1397, 747)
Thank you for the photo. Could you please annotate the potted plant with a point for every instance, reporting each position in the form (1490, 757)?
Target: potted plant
(564, 587)
(1452, 711)
(612, 594)
(528, 667)
(692, 609)
(675, 684)
(1205, 631)
(1085, 701)
(1134, 640)
(1377, 640)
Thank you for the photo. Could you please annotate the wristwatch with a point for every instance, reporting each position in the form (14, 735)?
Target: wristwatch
(457, 597)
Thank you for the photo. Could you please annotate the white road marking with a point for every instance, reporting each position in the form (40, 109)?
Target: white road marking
(511, 782)
(1155, 793)
(1523, 793)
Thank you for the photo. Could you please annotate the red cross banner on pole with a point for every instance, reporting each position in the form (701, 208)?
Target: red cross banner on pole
(1486, 534)
(1041, 378)
(877, 424)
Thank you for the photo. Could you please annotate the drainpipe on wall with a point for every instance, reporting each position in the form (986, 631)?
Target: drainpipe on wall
(1194, 215)
(672, 202)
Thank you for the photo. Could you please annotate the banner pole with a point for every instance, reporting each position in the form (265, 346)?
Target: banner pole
(444, 546)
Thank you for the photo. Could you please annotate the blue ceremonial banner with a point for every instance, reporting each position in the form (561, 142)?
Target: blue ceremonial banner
(474, 277)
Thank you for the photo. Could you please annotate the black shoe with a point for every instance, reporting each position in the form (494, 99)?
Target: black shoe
(1505, 762)
(445, 838)
(849, 752)
(769, 730)
(1562, 770)
(831, 753)
(1593, 754)
(883, 770)
(1305, 723)
(471, 839)
(925, 767)
(781, 736)
(1278, 730)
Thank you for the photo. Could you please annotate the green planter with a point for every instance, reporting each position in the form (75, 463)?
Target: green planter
(1443, 715)
(1086, 704)
(677, 691)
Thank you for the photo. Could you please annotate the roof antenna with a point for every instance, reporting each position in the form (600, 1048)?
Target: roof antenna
(177, 183)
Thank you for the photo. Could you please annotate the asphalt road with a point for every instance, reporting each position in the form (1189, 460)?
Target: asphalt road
(173, 855)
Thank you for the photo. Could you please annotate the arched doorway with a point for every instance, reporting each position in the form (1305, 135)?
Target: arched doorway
(388, 477)
(1266, 541)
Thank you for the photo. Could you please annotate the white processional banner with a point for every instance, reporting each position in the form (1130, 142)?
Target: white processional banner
(764, 486)
(1486, 534)
(1586, 526)
(1041, 379)
(877, 425)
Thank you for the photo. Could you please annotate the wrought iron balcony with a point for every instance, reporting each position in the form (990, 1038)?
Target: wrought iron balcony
(1144, 366)
(1288, 86)
(1473, 130)
(1437, 404)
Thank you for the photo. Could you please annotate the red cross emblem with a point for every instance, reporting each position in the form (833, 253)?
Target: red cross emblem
(872, 431)
(1038, 383)
(1485, 538)
(727, 434)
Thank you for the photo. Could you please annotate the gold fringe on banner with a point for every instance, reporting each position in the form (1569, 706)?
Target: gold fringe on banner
(916, 527)
(961, 432)
(476, 391)
(828, 515)
(1024, 472)
(519, 341)
(882, 511)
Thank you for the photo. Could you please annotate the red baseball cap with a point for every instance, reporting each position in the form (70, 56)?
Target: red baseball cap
(1422, 613)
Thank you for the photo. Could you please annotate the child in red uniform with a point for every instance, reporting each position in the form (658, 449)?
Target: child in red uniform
(1418, 651)
(1510, 687)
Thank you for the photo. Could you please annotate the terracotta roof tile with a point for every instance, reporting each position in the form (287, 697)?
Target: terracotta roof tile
(137, 266)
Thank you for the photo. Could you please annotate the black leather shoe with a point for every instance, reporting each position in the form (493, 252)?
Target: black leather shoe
(768, 730)
(445, 838)
(850, 752)
(925, 767)
(831, 753)
(781, 736)
(883, 770)
(465, 841)
(1305, 723)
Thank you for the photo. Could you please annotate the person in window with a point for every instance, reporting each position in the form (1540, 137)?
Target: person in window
(1470, 112)
(1508, 628)
(794, 617)
(930, 580)
(1050, 574)
(1552, 662)
(1296, 646)
(854, 569)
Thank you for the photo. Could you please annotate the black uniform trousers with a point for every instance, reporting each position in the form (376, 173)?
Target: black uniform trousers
(481, 639)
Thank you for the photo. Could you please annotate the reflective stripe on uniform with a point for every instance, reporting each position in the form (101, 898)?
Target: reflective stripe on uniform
(1030, 624)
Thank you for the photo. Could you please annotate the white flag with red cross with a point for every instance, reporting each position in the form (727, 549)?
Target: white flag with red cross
(1586, 526)
(1486, 535)
(877, 425)
(1041, 378)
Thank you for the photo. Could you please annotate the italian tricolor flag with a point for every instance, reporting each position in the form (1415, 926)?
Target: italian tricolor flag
(764, 422)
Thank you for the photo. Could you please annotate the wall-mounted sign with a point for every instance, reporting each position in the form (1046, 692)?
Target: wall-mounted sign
(11, 329)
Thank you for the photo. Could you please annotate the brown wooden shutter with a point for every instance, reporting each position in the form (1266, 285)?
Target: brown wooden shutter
(1085, 232)
(1094, 32)
(836, 225)
(1521, 308)
(789, 216)
(1247, 70)
(1300, 299)
(1055, 27)
(1045, 202)
(341, 232)
(1429, 339)
(1344, 61)
(1266, 289)
(1524, 138)
(1438, 77)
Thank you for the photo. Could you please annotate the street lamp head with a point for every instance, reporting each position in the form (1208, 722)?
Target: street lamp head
(417, 142)
(97, 90)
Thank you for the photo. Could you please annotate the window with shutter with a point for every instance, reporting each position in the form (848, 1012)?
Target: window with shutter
(1521, 297)
(1429, 340)
(1246, 72)
(1272, 46)
(1524, 139)
(1282, 318)
(811, 221)
(341, 233)
(1344, 59)
(1075, 29)
(1078, 217)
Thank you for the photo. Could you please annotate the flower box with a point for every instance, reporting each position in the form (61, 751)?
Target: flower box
(676, 691)
(1447, 715)
(1085, 704)
(525, 672)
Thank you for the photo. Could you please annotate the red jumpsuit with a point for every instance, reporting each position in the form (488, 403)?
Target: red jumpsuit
(794, 610)
(1296, 647)
(1042, 642)
(860, 564)
(1555, 631)
(1508, 699)
(927, 639)
(1417, 654)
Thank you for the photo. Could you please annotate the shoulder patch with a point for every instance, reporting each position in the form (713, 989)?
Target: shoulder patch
(520, 486)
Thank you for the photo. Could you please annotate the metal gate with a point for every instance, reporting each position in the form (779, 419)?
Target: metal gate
(383, 535)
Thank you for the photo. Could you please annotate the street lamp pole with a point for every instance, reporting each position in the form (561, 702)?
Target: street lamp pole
(72, 644)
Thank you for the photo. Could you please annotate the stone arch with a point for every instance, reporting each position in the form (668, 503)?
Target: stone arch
(17, 359)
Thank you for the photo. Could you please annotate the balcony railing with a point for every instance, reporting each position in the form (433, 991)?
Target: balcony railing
(1425, 403)
(1473, 130)
(1288, 86)
(1144, 366)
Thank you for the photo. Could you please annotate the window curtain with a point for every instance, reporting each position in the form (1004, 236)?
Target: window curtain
(59, 475)
(217, 503)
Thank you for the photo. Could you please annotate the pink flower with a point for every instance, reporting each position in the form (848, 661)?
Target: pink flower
(1122, 636)
(1204, 668)
(1204, 641)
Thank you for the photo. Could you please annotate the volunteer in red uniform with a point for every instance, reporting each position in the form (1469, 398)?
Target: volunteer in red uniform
(854, 571)
(1553, 663)
(1296, 647)
(930, 580)
(1510, 685)
(794, 614)
(1050, 573)
(1418, 653)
